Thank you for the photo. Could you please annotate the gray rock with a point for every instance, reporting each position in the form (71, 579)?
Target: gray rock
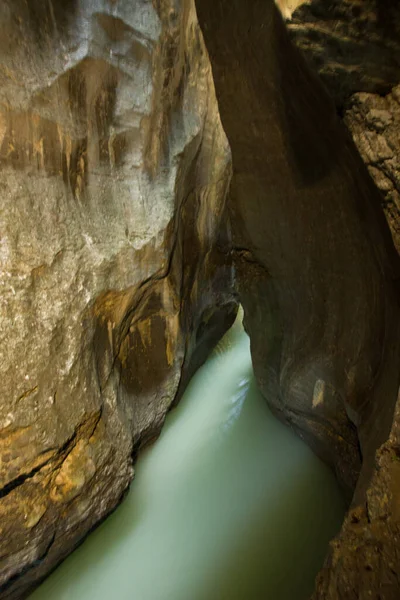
(115, 267)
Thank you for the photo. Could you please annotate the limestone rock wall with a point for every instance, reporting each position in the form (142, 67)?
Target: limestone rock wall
(115, 271)
(316, 264)
(354, 47)
(318, 277)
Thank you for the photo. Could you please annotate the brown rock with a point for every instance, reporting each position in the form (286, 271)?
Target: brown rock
(115, 273)
(354, 45)
(374, 123)
(364, 560)
(361, 54)
(318, 278)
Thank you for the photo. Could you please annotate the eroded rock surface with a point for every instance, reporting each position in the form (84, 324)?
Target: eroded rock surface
(374, 122)
(114, 264)
(354, 45)
(361, 54)
(355, 48)
(318, 277)
(364, 560)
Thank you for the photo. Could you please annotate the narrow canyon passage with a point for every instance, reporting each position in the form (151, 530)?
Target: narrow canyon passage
(227, 504)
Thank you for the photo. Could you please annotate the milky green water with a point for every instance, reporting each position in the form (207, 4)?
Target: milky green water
(227, 505)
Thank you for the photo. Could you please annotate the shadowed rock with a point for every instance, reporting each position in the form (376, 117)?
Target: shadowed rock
(317, 270)
(354, 45)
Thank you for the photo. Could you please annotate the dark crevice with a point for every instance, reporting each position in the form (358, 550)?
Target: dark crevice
(21, 479)
(9, 487)
(65, 449)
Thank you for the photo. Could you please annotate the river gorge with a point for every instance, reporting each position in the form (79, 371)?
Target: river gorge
(227, 504)
(163, 163)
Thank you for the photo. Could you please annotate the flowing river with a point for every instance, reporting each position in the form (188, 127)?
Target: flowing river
(228, 504)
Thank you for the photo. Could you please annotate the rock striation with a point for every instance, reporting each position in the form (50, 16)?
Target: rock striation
(115, 268)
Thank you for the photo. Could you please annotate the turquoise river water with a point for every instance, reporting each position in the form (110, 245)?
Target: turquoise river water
(228, 504)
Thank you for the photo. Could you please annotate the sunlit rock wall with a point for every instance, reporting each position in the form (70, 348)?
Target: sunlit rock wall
(114, 266)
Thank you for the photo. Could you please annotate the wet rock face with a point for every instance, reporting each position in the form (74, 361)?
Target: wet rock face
(114, 262)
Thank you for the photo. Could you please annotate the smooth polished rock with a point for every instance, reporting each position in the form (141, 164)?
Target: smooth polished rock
(318, 277)
(116, 274)
(354, 47)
